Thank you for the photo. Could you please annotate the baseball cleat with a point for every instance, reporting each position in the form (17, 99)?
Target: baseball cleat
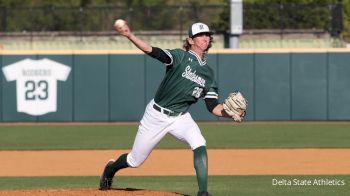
(105, 181)
(203, 193)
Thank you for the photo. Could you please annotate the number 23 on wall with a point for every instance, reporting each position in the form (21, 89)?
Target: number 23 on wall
(36, 90)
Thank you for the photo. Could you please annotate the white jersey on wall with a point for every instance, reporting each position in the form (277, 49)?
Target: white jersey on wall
(36, 86)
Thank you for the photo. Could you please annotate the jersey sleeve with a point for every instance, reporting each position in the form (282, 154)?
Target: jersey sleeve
(12, 72)
(175, 55)
(160, 55)
(63, 72)
(213, 88)
(212, 93)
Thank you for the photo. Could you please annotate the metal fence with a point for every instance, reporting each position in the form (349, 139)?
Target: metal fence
(102, 17)
(327, 17)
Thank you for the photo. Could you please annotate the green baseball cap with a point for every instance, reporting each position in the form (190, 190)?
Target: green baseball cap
(197, 28)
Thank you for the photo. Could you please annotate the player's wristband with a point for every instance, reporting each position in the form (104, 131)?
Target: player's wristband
(211, 103)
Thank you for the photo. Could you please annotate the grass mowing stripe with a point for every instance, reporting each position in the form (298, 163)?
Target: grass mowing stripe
(218, 185)
(278, 135)
(271, 135)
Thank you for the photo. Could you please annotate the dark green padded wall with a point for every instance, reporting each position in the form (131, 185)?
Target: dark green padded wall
(339, 86)
(126, 87)
(116, 87)
(272, 86)
(91, 96)
(309, 86)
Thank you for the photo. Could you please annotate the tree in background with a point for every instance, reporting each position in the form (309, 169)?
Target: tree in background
(288, 14)
(346, 20)
(97, 15)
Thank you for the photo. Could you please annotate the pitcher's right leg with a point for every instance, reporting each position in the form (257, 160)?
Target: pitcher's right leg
(151, 130)
(112, 167)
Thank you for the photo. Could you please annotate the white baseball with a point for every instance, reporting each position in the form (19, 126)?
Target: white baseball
(119, 23)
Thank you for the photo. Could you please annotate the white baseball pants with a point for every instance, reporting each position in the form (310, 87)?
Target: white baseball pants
(155, 125)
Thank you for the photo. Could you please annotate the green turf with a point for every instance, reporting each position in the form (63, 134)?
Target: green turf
(248, 135)
(218, 185)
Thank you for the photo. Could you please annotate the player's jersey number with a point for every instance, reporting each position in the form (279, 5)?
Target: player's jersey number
(197, 92)
(36, 90)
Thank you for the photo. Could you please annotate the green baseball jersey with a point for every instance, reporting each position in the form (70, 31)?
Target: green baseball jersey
(187, 79)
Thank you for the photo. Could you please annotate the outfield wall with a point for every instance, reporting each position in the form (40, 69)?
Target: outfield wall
(283, 84)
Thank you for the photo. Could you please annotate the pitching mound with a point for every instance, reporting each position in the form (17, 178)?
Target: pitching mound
(86, 192)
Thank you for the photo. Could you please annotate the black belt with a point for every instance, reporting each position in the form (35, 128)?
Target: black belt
(166, 111)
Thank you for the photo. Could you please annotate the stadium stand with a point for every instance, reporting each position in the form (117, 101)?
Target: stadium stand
(110, 41)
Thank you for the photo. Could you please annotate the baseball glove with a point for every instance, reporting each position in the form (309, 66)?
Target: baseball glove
(235, 105)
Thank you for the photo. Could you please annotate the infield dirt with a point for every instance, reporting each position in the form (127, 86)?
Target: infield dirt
(170, 163)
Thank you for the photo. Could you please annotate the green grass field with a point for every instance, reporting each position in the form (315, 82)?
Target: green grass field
(247, 135)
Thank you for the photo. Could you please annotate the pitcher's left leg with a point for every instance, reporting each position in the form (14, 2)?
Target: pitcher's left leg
(186, 130)
(200, 160)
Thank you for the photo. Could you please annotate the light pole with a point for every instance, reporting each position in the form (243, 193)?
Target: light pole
(236, 22)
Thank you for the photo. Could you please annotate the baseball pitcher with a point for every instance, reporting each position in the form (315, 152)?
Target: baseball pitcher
(188, 78)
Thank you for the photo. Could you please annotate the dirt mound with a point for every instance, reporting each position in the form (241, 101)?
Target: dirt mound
(221, 162)
(85, 192)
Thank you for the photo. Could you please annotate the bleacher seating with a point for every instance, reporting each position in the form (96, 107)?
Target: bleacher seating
(120, 43)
